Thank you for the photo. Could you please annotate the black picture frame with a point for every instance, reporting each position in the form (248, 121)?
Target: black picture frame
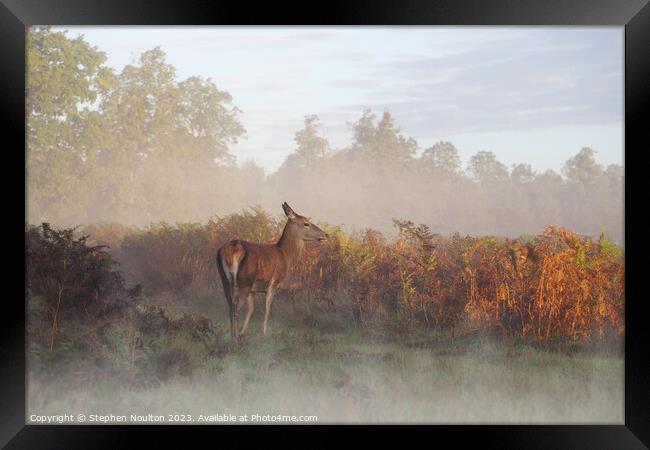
(634, 15)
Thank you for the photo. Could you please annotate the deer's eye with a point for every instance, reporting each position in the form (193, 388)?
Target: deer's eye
(307, 224)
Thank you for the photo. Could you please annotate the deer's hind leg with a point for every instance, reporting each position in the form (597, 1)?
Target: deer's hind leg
(228, 292)
(238, 302)
(267, 306)
(251, 306)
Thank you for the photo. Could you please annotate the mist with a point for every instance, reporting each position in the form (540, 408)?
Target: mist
(411, 312)
(379, 177)
(336, 382)
(139, 146)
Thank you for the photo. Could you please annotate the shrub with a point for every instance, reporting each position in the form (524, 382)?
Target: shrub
(174, 257)
(554, 286)
(66, 277)
(561, 288)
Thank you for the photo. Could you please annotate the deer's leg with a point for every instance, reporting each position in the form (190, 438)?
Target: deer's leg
(231, 311)
(232, 303)
(227, 290)
(249, 312)
(238, 302)
(267, 306)
(233, 319)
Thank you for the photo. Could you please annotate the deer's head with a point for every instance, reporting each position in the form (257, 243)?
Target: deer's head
(302, 226)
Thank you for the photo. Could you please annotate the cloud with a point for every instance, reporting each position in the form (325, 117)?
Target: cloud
(512, 85)
(435, 80)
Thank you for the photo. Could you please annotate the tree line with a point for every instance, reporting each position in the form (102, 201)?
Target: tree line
(140, 146)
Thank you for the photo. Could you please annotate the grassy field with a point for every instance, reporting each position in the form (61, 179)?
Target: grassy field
(417, 329)
(341, 376)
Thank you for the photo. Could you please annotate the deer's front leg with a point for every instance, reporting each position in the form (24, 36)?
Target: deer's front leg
(267, 306)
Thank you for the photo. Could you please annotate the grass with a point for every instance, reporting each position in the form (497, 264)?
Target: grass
(306, 367)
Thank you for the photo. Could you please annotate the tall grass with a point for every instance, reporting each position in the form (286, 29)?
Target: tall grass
(344, 377)
(416, 328)
(552, 287)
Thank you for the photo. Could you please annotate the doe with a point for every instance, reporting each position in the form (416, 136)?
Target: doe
(247, 268)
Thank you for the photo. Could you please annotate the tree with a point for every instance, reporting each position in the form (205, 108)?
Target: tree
(309, 145)
(150, 114)
(522, 173)
(65, 78)
(142, 110)
(485, 167)
(390, 144)
(582, 168)
(208, 121)
(444, 157)
(550, 177)
(167, 139)
(133, 146)
(382, 143)
(614, 172)
(363, 131)
(308, 162)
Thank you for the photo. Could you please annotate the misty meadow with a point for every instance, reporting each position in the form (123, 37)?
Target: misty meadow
(448, 291)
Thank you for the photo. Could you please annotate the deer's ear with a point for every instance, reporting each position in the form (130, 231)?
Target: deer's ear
(288, 211)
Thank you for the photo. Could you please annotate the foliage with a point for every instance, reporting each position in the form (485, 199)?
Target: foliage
(138, 145)
(120, 146)
(309, 145)
(79, 310)
(67, 277)
(485, 167)
(583, 168)
(173, 258)
(554, 286)
(64, 78)
(444, 157)
(420, 290)
(560, 288)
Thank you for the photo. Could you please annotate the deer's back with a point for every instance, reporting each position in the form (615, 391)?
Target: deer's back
(256, 263)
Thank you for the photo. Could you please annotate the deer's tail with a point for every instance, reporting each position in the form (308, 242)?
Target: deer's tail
(229, 259)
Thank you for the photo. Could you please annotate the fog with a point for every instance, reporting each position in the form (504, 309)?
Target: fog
(343, 382)
(378, 178)
(138, 145)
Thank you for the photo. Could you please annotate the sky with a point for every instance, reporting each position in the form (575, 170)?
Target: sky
(527, 94)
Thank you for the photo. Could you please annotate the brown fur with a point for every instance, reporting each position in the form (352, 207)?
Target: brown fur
(247, 268)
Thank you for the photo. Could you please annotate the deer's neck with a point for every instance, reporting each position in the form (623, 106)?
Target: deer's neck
(290, 244)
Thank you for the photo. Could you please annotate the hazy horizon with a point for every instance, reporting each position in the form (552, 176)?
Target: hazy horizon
(527, 94)
(351, 126)
(463, 280)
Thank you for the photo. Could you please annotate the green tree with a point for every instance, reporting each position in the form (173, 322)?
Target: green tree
(65, 79)
(208, 121)
(550, 177)
(444, 157)
(390, 144)
(614, 172)
(141, 110)
(310, 146)
(151, 114)
(363, 131)
(485, 167)
(167, 139)
(382, 143)
(522, 173)
(133, 146)
(582, 168)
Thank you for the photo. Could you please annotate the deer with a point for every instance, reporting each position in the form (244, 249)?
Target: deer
(247, 268)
